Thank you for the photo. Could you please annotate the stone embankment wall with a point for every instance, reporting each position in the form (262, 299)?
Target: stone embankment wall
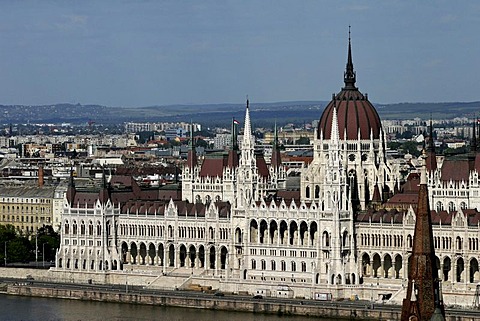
(332, 312)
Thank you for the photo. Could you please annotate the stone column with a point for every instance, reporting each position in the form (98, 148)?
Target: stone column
(128, 258)
(380, 272)
(165, 263)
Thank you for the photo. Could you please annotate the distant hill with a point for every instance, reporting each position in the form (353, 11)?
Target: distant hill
(262, 114)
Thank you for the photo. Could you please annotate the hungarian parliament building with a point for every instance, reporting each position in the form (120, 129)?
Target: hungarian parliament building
(342, 224)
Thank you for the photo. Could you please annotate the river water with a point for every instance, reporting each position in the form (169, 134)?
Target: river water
(15, 308)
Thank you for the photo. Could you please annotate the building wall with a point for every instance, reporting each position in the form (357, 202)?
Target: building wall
(26, 208)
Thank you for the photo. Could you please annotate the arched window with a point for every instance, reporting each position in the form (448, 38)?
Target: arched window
(459, 243)
(451, 207)
(82, 228)
(439, 206)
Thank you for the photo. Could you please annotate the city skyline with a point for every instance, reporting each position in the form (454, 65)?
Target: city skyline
(141, 53)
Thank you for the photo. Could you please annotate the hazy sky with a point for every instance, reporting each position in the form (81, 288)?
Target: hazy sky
(140, 53)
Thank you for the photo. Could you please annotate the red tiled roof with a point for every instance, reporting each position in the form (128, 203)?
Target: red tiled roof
(213, 167)
(455, 170)
(289, 195)
(262, 166)
(477, 162)
(437, 218)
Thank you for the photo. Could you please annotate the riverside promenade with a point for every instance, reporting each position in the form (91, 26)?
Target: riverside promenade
(17, 282)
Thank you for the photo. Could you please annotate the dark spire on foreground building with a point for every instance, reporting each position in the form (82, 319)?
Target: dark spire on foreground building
(424, 300)
(71, 189)
(349, 76)
(276, 160)
(104, 194)
(431, 155)
(233, 151)
(473, 144)
(192, 153)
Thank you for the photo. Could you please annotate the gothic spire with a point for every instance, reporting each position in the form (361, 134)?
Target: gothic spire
(431, 159)
(71, 189)
(192, 153)
(234, 145)
(104, 193)
(276, 160)
(192, 144)
(473, 144)
(423, 298)
(247, 131)
(233, 151)
(349, 76)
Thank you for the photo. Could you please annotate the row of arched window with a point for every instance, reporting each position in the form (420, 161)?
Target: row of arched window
(83, 228)
(190, 232)
(383, 240)
(142, 230)
(451, 206)
(283, 265)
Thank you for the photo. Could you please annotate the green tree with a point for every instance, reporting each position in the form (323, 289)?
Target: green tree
(19, 250)
(302, 141)
(394, 145)
(201, 143)
(47, 242)
(411, 148)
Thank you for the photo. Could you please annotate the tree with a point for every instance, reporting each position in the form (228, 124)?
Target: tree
(302, 141)
(201, 143)
(394, 145)
(47, 241)
(19, 250)
(411, 148)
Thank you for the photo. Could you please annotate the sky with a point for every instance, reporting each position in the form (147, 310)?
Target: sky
(145, 53)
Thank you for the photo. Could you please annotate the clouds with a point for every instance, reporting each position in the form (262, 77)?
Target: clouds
(162, 52)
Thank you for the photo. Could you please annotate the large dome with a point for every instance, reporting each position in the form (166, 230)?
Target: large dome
(354, 112)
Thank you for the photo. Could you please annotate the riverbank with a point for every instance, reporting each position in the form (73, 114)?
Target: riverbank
(133, 287)
(206, 301)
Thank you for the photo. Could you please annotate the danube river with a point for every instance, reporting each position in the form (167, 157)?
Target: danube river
(15, 308)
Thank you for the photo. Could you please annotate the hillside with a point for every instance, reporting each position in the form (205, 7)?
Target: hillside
(263, 114)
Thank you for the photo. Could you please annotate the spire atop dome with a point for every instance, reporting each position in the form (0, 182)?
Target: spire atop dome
(349, 76)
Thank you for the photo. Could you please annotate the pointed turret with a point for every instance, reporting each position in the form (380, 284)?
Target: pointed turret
(349, 76)
(423, 295)
(192, 153)
(431, 155)
(233, 151)
(247, 131)
(276, 160)
(104, 194)
(473, 144)
(334, 134)
(71, 189)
